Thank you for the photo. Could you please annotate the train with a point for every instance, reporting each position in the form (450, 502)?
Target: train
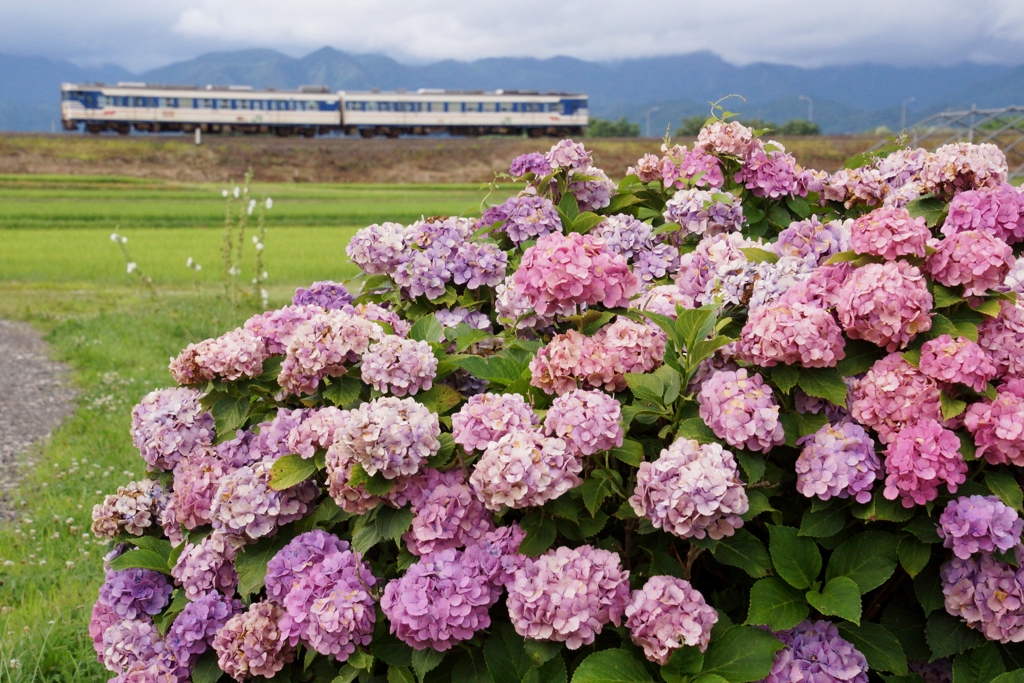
(315, 110)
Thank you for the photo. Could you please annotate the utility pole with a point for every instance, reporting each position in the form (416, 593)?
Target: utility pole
(810, 107)
(903, 120)
(649, 112)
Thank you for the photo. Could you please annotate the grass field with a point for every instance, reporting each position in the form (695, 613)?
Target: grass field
(60, 271)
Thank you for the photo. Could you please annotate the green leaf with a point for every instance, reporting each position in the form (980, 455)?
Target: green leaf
(347, 674)
(439, 398)
(923, 529)
(823, 523)
(376, 485)
(1006, 487)
(251, 563)
(682, 665)
(779, 216)
(342, 390)
(785, 377)
(229, 413)
(980, 665)
(428, 329)
(906, 621)
(569, 206)
(928, 590)
(799, 206)
(399, 674)
(824, 383)
(1015, 676)
(646, 387)
(630, 452)
(391, 650)
(672, 381)
(796, 559)
(951, 407)
(880, 647)
(470, 668)
(745, 551)
(869, 558)
(912, 356)
(206, 669)
(506, 657)
(695, 324)
(552, 671)
(290, 470)
(611, 666)
(596, 489)
(360, 659)
(444, 453)
(365, 537)
(392, 523)
(944, 296)
(758, 503)
(839, 598)
(695, 428)
(842, 257)
(540, 533)
(776, 604)
(159, 546)
(929, 207)
(949, 636)
(913, 555)
(753, 465)
(540, 651)
(860, 356)
(741, 654)
(756, 255)
(140, 558)
(990, 307)
(585, 221)
(425, 661)
(942, 325)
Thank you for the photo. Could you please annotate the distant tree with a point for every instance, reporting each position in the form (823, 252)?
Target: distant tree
(599, 128)
(799, 127)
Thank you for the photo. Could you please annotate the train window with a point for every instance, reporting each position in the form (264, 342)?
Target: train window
(488, 106)
(505, 106)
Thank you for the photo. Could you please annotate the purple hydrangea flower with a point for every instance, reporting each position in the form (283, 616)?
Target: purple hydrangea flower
(272, 442)
(252, 643)
(568, 154)
(393, 436)
(568, 595)
(813, 240)
(195, 482)
(103, 617)
(987, 594)
(496, 554)
(169, 425)
(325, 293)
(528, 217)
(814, 651)
(973, 524)
(245, 505)
(702, 212)
(399, 366)
(324, 346)
(838, 460)
(315, 431)
(657, 262)
(134, 593)
(769, 173)
(377, 249)
(207, 567)
(588, 421)
(666, 614)
(192, 631)
(534, 162)
(306, 550)
(440, 600)
(479, 265)
(486, 418)
(447, 512)
(625, 235)
(691, 491)
(276, 328)
(524, 468)
(424, 273)
(593, 194)
(740, 409)
(129, 641)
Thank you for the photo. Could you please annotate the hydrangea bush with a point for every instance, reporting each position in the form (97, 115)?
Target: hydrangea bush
(728, 420)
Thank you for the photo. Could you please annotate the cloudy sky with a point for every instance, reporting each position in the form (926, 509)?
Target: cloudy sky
(141, 35)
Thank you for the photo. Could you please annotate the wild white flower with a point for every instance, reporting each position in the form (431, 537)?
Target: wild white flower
(124, 240)
(188, 263)
(252, 205)
(234, 271)
(270, 202)
(198, 267)
(15, 663)
(114, 237)
(238, 191)
(223, 193)
(255, 239)
(132, 266)
(259, 246)
(264, 276)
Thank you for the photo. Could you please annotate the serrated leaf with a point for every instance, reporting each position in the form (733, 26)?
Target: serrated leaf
(596, 489)
(799, 206)
(444, 453)
(753, 465)
(1015, 676)
(928, 590)
(360, 659)
(540, 651)
(824, 383)
(785, 377)
(392, 523)
(140, 558)
(980, 665)
(796, 559)
(930, 208)
(913, 555)
(776, 604)
(342, 390)
(745, 551)
(1006, 487)
(506, 657)
(756, 255)
(951, 407)
(290, 470)
(912, 356)
(585, 221)
(823, 523)
(696, 429)
(229, 414)
(672, 382)
(439, 398)
(860, 356)
(611, 666)
(399, 674)
(869, 558)
(346, 674)
(376, 485)
(944, 296)
(880, 647)
(842, 257)
(758, 503)
(365, 537)
(990, 308)
(426, 660)
(251, 563)
(206, 669)
(840, 597)
(741, 654)
(630, 452)
(391, 650)
(683, 664)
(646, 387)
(471, 668)
(540, 533)
(923, 529)
(949, 636)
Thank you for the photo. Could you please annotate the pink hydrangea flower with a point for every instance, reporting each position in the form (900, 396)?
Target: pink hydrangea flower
(245, 505)
(993, 210)
(399, 366)
(568, 154)
(169, 425)
(666, 614)
(741, 410)
(987, 594)
(207, 566)
(447, 512)
(732, 138)
(568, 595)
(921, 457)
(960, 360)
(485, 418)
(892, 394)
(277, 327)
(377, 249)
(663, 300)
(890, 233)
(887, 304)
(324, 347)
(315, 431)
(252, 643)
(133, 509)
(791, 333)
(236, 354)
(593, 194)
(838, 461)
(588, 421)
(523, 469)
(393, 436)
(769, 173)
(963, 166)
(647, 168)
(998, 426)
(691, 491)
(195, 482)
(1002, 338)
(496, 555)
(977, 260)
(562, 272)
(973, 524)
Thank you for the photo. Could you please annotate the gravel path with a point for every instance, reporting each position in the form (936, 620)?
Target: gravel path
(35, 397)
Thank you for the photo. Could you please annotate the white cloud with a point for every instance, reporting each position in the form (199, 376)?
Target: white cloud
(804, 32)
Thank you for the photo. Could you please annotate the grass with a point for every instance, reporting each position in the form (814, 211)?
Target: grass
(60, 272)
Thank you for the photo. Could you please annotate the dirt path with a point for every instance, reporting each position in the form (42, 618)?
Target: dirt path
(35, 397)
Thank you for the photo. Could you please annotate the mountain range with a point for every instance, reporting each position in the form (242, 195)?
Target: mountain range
(846, 99)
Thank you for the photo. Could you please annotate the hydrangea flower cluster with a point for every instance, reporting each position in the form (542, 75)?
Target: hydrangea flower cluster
(169, 425)
(889, 232)
(987, 594)
(534, 162)
(447, 513)
(133, 509)
(813, 240)
(627, 236)
(921, 457)
(486, 418)
(588, 421)
(325, 294)
(691, 491)
(377, 249)
(997, 425)
(963, 166)
(949, 360)
(399, 366)
(973, 524)
(193, 630)
(1003, 338)
(562, 272)
(135, 593)
(207, 566)
(393, 436)
(593, 193)
(524, 468)
(252, 643)
(814, 651)
(792, 333)
(840, 461)
(246, 505)
(525, 217)
(887, 304)
(892, 394)
(568, 595)
(732, 138)
(992, 210)
(666, 614)
(276, 328)
(740, 409)
(977, 260)
(701, 212)
(236, 354)
(324, 346)
(769, 173)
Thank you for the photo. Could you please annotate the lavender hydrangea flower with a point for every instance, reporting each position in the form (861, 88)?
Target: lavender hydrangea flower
(813, 240)
(479, 265)
(447, 513)
(252, 643)
(324, 347)
(524, 469)
(732, 138)
(134, 593)
(192, 631)
(987, 594)
(377, 249)
(838, 460)
(625, 235)
(701, 212)
(393, 436)
(588, 421)
(424, 272)
(292, 562)
(528, 217)
(657, 262)
(488, 417)
(169, 425)
(568, 154)
(666, 614)
(276, 328)
(741, 410)
(691, 491)
(399, 366)
(919, 459)
(534, 162)
(770, 282)
(129, 641)
(814, 651)
(133, 509)
(440, 600)
(973, 524)
(207, 567)
(315, 431)
(325, 294)
(453, 317)
(245, 505)
(272, 442)
(568, 595)
(593, 194)
(233, 355)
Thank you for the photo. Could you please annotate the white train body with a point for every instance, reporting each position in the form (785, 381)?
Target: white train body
(314, 110)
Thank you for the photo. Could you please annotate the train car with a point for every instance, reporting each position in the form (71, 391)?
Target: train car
(213, 109)
(314, 110)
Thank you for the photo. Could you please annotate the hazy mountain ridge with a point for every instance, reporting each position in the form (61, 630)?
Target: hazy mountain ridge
(846, 98)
